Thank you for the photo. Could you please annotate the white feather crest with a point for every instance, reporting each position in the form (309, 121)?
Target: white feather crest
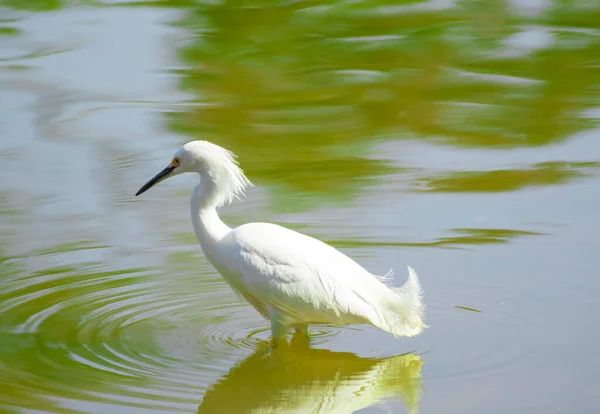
(235, 184)
(221, 166)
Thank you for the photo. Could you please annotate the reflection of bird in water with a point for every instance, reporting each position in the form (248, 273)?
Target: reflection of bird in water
(292, 279)
(293, 379)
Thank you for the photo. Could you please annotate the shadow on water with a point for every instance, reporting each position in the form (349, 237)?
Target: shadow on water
(297, 378)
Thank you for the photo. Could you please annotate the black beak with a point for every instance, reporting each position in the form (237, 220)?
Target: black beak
(157, 179)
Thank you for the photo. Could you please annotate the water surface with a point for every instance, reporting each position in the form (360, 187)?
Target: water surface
(460, 138)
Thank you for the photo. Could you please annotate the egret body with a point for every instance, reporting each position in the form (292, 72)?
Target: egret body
(291, 279)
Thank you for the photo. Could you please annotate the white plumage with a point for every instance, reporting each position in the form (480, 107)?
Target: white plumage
(292, 279)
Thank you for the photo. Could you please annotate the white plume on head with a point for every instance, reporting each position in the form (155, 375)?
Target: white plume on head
(219, 165)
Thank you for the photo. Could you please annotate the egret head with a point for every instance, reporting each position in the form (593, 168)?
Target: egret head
(215, 164)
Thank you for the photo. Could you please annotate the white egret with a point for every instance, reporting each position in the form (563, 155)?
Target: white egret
(290, 278)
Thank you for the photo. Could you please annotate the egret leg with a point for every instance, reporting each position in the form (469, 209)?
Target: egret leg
(302, 329)
(279, 326)
(301, 338)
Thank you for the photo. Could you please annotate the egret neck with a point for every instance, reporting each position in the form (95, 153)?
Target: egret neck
(208, 226)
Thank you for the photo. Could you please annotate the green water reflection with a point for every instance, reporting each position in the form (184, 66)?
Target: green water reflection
(546, 173)
(308, 87)
(463, 237)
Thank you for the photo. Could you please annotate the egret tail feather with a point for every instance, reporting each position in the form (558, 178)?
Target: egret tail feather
(403, 311)
(387, 278)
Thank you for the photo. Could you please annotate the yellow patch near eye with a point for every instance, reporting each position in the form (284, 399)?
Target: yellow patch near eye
(174, 163)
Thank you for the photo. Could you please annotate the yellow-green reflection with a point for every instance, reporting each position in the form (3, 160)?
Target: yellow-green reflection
(8, 31)
(464, 237)
(37, 5)
(301, 90)
(546, 173)
(297, 378)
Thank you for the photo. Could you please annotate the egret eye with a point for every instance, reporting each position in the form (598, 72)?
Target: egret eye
(176, 162)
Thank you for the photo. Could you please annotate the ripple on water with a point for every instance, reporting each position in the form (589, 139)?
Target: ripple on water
(244, 331)
(135, 338)
(127, 337)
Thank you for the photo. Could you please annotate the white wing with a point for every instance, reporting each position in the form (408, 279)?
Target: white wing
(305, 278)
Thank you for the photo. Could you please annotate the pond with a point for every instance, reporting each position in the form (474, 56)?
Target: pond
(458, 137)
